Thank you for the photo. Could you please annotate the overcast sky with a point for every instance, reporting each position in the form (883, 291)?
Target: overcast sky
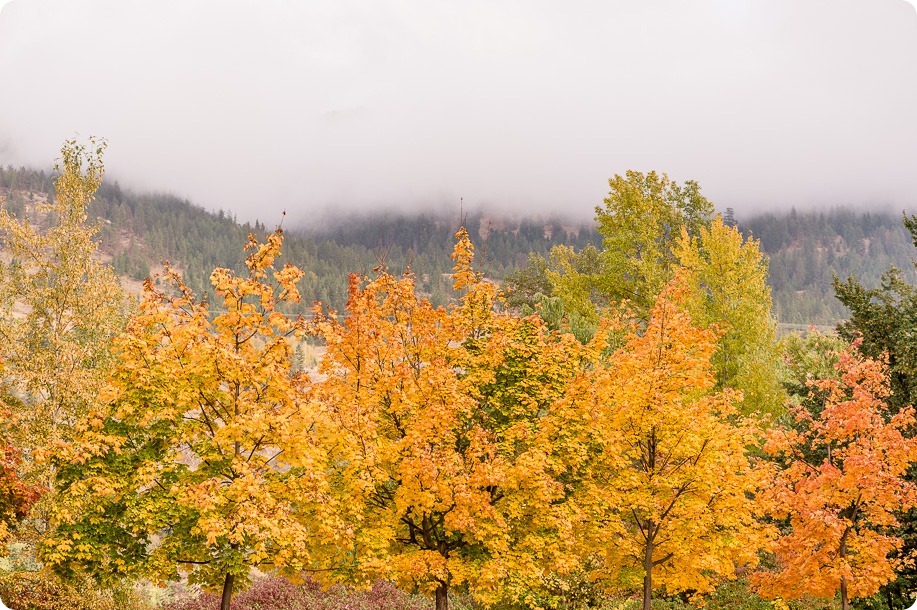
(263, 105)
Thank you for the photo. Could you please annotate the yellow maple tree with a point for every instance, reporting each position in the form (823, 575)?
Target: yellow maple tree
(205, 457)
(667, 494)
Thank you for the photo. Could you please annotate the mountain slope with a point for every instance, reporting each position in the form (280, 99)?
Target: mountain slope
(140, 230)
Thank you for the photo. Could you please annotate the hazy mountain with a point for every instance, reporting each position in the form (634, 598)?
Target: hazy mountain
(140, 230)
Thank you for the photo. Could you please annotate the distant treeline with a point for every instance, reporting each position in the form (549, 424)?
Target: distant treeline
(140, 230)
(808, 249)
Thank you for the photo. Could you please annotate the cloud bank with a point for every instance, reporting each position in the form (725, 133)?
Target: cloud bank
(264, 105)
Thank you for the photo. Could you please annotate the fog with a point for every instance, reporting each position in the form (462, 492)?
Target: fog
(266, 105)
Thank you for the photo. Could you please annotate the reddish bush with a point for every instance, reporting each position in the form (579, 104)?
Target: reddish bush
(194, 601)
(280, 594)
(16, 497)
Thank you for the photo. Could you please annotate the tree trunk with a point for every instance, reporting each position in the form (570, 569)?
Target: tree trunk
(648, 575)
(845, 603)
(442, 597)
(888, 597)
(842, 553)
(227, 592)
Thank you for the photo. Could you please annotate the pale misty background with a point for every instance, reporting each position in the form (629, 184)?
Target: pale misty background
(265, 105)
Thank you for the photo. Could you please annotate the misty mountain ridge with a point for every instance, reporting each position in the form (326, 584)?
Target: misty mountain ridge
(138, 231)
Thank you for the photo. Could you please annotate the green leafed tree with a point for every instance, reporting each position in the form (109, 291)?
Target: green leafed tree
(652, 229)
(727, 281)
(641, 222)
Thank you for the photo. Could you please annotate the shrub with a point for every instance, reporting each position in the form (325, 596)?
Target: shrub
(272, 593)
(43, 590)
(732, 595)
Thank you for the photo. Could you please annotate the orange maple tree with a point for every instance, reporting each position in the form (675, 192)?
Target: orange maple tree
(840, 487)
(441, 409)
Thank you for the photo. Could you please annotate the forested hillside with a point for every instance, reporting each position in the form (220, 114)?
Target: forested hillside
(140, 230)
(806, 250)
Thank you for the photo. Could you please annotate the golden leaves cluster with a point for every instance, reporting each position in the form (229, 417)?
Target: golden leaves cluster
(464, 446)
(667, 489)
(489, 452)
(445, 453)
(204, 456)
(439, 447)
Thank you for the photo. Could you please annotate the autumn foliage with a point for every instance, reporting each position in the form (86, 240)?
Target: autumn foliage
(668, 488)
(202, 457)
(440, 409)
(840, 486)
(16, 495)
(60, 306)
(464, 449)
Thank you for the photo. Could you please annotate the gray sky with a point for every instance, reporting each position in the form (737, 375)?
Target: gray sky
(262, 105)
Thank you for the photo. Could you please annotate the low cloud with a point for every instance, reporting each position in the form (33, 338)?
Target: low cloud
(267, 105)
